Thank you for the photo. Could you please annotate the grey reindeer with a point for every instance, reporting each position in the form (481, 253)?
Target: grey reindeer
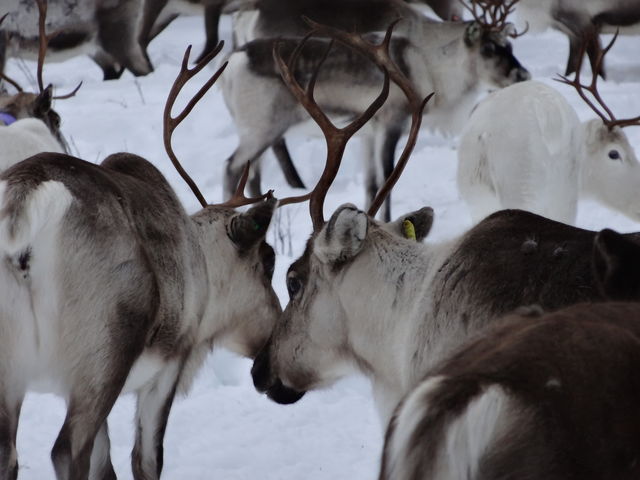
(108, 286)
(455, 59)
(263, 19)
(366, 297)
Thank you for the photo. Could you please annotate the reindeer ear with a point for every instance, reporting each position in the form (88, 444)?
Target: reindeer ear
(616, 264)
(43, 102)
(343, 235)
(472, 33)
(415, 225)
(248, 228)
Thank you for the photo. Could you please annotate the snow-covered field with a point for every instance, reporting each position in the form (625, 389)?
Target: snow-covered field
(223, 429)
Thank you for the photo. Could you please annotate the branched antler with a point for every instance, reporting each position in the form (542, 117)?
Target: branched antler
(492, 15)
(44, 40)
(337, 138)
(604, 112)
(170, 123)
(3, 75)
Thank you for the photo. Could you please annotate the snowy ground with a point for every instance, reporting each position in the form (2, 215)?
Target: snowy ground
(223, 429)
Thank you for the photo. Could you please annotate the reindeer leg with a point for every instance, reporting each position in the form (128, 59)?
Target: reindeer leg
(152, 413)
(212, 14)
(594, 47)
(98, 378)
(148, 28)
(236, 163)
(291, 175)
(86, 414)
(110, 68)
(9, 413)
(391, 138)
(101, 467)
(372, 178)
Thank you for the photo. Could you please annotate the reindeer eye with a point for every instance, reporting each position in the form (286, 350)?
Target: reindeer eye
(294, 285)
(614, 155)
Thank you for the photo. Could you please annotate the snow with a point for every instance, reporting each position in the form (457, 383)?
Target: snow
(223, 429)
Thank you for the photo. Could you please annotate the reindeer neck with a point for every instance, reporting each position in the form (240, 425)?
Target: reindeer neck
(383, 327)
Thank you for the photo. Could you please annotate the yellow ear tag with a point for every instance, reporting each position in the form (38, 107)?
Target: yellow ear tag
(409, 230)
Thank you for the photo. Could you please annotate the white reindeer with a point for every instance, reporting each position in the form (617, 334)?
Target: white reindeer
(524, 147)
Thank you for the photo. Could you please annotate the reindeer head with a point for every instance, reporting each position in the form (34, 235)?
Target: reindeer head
(319, 338)
(35, 105)
(244, 262)
(241, 273)
(488, 37)
(312, 344)
(611, 171)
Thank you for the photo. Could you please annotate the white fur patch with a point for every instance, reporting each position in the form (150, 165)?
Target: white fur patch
(466, 439)
(24, 138)
(470, 435)
(145, 368)
(412, 411)
(44, 208)
(343, 235)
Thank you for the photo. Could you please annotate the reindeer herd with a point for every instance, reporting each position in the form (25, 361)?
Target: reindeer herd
(507, 352)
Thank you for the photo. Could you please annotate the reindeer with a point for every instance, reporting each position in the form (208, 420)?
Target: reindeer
(580, 19)
(107, 30)
(365, 296)
(455, 59)
(552, 397)
(276, 18)
(110, 287)
(29, 123)
(540, 157)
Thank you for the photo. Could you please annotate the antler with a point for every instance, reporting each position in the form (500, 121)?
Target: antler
(336, 138)
(42, 49)
(3, 75)
(605, 114)
(170, 123)
(492, 14)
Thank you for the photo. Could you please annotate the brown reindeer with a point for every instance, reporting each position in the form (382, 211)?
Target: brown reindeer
(537, 397)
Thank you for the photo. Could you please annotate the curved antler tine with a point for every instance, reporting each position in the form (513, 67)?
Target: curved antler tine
(170, 123)
(383, 193)
(304, 97)
(11, 81)
(239, 199)
(3, 17)
(43, 41)
(336, 138)
(608, 118)
(493, 13)
(68, 95)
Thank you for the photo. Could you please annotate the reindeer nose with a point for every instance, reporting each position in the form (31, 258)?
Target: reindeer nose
(261, 371)
(522, 74)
